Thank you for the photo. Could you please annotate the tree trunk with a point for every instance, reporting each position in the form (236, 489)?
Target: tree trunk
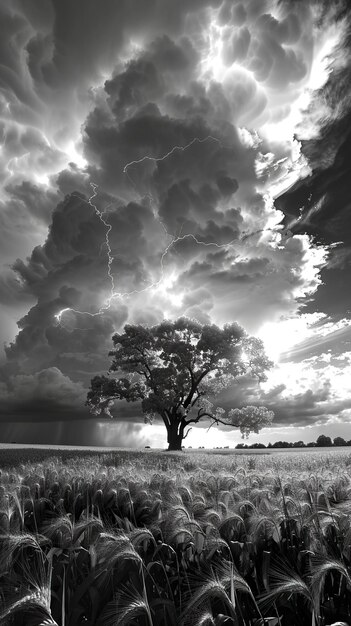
(175, 435)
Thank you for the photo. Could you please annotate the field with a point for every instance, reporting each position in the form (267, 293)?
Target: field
(193, 538)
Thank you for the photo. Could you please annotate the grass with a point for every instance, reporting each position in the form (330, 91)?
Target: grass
(152, 538)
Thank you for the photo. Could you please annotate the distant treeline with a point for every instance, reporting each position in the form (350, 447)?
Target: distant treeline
(322, 442)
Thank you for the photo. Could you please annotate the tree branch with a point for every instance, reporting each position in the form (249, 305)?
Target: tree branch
(198, 395)
(187, 433)
(195, 420)
(166, 418)
(194, 388)
(216, 420)
(191, 374)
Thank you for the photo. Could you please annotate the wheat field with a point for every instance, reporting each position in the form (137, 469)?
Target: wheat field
(193, 538)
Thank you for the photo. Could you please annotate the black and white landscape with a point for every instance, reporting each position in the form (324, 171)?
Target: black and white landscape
(162, 159)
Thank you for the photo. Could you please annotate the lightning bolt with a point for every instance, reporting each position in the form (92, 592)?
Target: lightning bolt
(100, 215)
(153, 285)
(174, 239)
(168, 154)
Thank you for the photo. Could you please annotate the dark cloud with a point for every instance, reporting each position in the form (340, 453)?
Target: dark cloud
(338, 339)
(317, 403)
(308, 408)
(147, 79)
(86, 432)
(33, 199)
(37, 393)
(25, 213)
(226, 185)
(319, 204)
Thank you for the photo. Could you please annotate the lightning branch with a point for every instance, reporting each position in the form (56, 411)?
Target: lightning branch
(174, 239)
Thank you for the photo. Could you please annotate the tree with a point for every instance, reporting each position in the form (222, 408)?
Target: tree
(323, 441)
(339, 441)
(176, 369)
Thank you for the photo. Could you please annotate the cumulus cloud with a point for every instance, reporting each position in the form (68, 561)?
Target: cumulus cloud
(312, 392)
(39, 392)
(322, 383)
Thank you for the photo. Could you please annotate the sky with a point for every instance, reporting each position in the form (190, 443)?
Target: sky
(161, 159)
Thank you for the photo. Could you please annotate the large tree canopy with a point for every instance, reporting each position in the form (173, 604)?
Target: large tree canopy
(176, 369)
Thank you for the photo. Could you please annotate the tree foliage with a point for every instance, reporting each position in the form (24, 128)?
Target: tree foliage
(177, 369)
(323, 441)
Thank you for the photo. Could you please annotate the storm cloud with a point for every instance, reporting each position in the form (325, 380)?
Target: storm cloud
(142, 156)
